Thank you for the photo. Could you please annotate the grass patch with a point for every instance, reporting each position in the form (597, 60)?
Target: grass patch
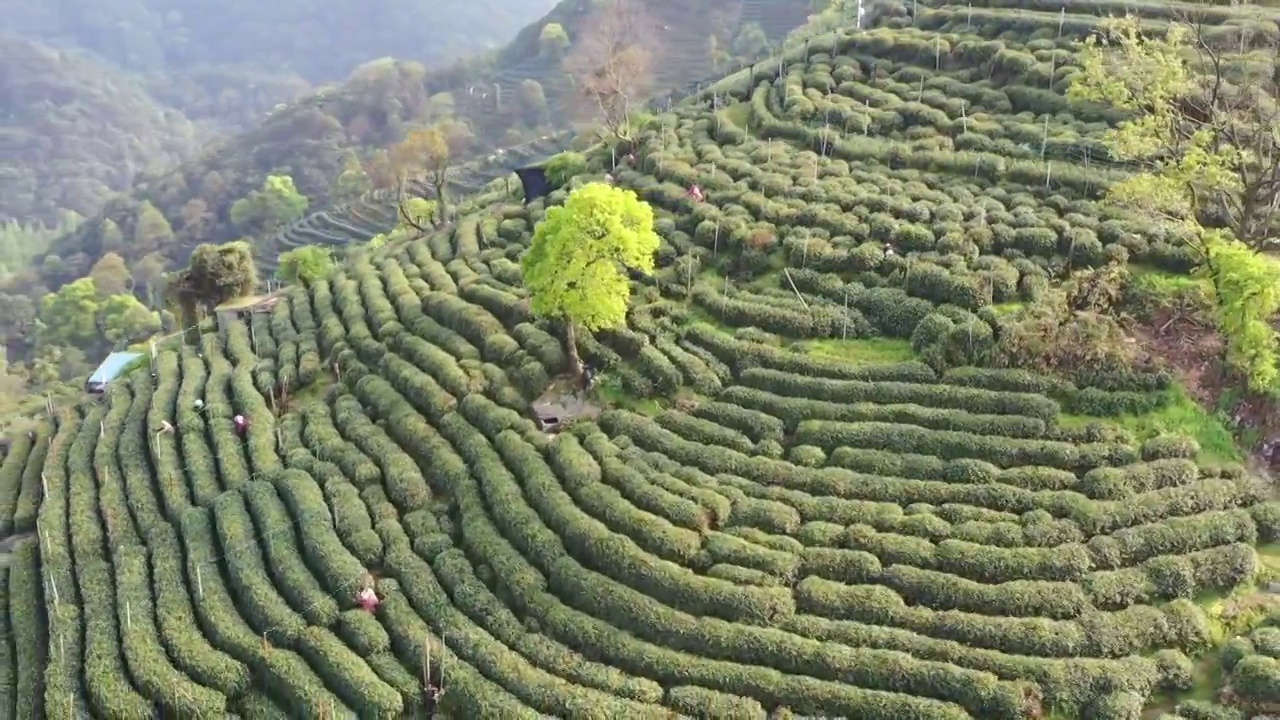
(313, 393)
(1164, 284)
(739, 114)
(1181, 415)
(863, 351)
(610, 393)
(1008, 308)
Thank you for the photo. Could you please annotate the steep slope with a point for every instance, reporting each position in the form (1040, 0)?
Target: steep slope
(782, 513)
(320, 41)
(75, 132)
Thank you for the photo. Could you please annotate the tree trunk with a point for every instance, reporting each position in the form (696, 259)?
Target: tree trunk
(571, 347)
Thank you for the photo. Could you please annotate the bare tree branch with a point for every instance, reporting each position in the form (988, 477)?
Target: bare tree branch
(610, 64)
(405, 216)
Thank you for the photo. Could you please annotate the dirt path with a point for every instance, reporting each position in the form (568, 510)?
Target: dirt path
(1193, 351)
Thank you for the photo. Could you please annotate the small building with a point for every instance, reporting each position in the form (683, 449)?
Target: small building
(110, 369)
(245, 308)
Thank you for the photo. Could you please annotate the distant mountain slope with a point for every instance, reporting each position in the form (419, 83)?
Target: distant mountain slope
(73, 131)
(312, 138)
(322, 41)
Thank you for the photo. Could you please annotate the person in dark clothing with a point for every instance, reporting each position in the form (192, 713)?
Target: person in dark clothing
(242, 424)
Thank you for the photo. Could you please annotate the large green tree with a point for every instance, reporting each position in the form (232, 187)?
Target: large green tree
(1203, 123)
(269, 209)
(69, 316)
(576, 268)
(151, 230)
(305, 264)
(80, 316)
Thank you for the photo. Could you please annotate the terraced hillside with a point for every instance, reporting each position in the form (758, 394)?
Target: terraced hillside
(376, 212)
(776, 512)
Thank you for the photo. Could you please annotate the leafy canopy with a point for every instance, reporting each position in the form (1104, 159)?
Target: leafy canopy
(576, 266)
(79, 315)
(306, 264)
(1203, 122)
(1204, 127)
(1247, 289)
(271, 208)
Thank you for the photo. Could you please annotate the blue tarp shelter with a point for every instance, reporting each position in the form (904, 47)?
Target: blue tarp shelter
(109, 370)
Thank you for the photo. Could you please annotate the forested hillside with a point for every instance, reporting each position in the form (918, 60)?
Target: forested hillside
(521, 94)
(127, 80)
(319, 40)
(74, 130)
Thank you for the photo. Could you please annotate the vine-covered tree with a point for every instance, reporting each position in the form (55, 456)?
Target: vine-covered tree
(610, 64)
(576, 267)
(269, 209)
(1204, 122)
(216, 274)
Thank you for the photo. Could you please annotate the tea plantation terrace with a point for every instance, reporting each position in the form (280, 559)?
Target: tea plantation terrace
(777, 511)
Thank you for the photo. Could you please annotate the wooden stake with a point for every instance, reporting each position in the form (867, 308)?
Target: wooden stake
(787, 272)
(426, 663)
(844, 329)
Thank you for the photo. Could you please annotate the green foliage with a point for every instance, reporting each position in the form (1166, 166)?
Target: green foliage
(553, 41)
(111, 276)
(78, 315)
(1247, 291)
(125, 320)
(950, 339)
(306, 264)
(20, 244)
(1201, 139)
(216, 274)
(70, 316)
(352, 182)
(791, 522)
(1150, 78)
(563, 167)
(77, 131)
(575, 269)
(417, 212)
(271, 208)
(151, 230)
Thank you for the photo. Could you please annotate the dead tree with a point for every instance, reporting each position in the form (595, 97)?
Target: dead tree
(610, 65)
